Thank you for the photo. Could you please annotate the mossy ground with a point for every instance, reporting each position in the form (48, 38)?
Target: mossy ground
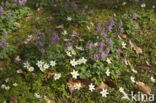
(145, 38)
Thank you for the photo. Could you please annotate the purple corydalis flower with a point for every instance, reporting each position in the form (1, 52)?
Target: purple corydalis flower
(86, 7)
(103, 33)
(107, 51)
(96, 57)
(3, 43)
(120, 24)
(110, 28)
(101, 44)
(98, 28)
(89, 44)
(74, 5)
(42, 50)
(55, 38)
(134, 16)
(110, 42)
(119, 51)
(112, 22)
(7, 3)
(91, 11)
(9, 15)
(103, 55)
(22, 2)
(1, 10)
(5, 32)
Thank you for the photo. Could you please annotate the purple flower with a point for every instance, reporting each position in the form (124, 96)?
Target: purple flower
(112, 22)
(7, 3)
(42, 50)
(1, 10)
(103, 33)
(96, 57)
(74, 5)
(119, 51)
(107, 51)
(86, 7)
(2, 3)
(55, 38)
(120, 24)
(9, 15)
(91, 11)
(3, 43)
(101, 44)
(22, 2)
(89, 44)
(134, 16)
(5, 32)
(110, 42)
(110, 28)
(103, 55)
(98, 28)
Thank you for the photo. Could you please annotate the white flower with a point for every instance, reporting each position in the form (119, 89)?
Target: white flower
(91, 87)
(70, 48)
(37, 95)
(124, 45)
(7, 87)
(52, 63)
(57, 76)
(75, 74)
(68, 54)
(143, 5)
(126, 62)
(83, 60)
(26, 64)
(133, 70)
(46, 66)
(96, 44)
(4, 101)
(73, 52)
(79, 48)
(121, 89)
(19, 71)
(6, 80)
(64, 32)
(77, 86)
(69, 18)
(15, 84)
(153, 6)
(107, 72)
(104, 92)
(124, 3)
(3, 86)
(39, 63)
(73, 62)
(18, 58)
(88, 27)
(132, 79)
(31, 69)
(152, 79)
(42, 69)
(108, 61)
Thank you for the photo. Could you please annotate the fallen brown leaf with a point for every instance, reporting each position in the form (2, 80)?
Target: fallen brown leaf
(22, 72)
(14, 100)
(123, 36)
(18, 24)
(40, 9)
(47, 76)
(143, 88)
(60, 26)
(1, 65)
(135, 48)
(16, 62)
(48, 99)
(71, 85)
(111, 84)
(102, 85)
